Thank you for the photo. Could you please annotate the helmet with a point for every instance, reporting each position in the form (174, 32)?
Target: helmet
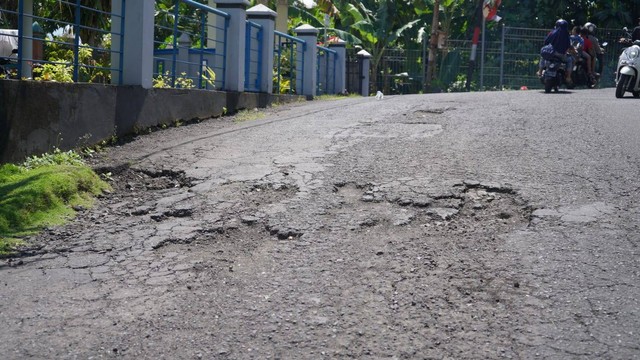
(590, 26)
(561, 23)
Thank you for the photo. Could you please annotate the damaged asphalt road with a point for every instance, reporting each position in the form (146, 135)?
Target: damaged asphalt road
(436, 226)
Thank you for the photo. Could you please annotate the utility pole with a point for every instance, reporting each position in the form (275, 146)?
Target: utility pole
(433, 44)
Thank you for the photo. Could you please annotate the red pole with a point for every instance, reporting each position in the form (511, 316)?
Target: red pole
(474, 44)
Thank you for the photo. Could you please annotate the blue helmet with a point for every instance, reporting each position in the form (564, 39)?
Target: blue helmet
(562, 24)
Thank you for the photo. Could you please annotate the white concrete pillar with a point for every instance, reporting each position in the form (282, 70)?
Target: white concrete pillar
(365, 59)
(236, 41)
(340, 85)
(265, 17)
(212, 24)
(182, 66)
(137, 61)
(309, 35)
(282, 7)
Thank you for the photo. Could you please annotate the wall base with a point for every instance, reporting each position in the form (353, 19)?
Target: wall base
(36, 117)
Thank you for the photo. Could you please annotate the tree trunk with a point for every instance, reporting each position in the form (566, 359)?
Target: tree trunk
(433, 44)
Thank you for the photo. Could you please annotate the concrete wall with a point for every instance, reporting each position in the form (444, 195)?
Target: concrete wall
(35, 117)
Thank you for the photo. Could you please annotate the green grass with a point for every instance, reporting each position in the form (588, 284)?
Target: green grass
(42, 192)
(248, 115)
(332, 97)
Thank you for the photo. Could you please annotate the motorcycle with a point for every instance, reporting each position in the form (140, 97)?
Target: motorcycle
(553, 74)
(580, 75)
(628, 70)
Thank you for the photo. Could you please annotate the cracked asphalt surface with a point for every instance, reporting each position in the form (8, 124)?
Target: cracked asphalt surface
(449, 226)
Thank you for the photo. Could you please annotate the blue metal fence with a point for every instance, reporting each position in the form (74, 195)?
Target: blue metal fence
(76, 42)
(327, 59)
(289, 64)
(253, 57)
(190, 51)
(77, 49)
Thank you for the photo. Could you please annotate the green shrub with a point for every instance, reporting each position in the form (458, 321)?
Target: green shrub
(164, 81)
(57, 157)
(60, 55)
(43, 191)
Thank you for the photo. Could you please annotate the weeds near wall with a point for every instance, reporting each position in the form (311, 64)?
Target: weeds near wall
(164, 81)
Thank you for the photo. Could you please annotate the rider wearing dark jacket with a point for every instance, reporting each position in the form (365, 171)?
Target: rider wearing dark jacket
(560, 39)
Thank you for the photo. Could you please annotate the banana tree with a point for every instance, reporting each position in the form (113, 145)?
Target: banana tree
(375, 25)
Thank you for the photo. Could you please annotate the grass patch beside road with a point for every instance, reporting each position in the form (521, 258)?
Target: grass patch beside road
(248, 115)
(332, 97)
(43, 192)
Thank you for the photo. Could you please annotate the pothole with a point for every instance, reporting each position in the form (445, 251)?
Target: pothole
(145, 179)
(467, 205)
(258, 194)
(284, 232)
(406, 128)
(436, 111)
(163, 179)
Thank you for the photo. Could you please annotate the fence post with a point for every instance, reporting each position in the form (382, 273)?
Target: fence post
(38, 46)
(236, 41)
(137, 57)
(365, 60)
(309, 35)
(502, 58)
(341, 66)
(25, 39)
(184, 44)
(265, 17)
(117, 10)
(297, 58)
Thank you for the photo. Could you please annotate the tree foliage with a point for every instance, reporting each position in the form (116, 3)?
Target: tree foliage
(402, 23)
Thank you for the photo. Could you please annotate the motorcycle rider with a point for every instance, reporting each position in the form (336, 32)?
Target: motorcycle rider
(578, 43)
(561, 43)
(597, 49)
(635, 35)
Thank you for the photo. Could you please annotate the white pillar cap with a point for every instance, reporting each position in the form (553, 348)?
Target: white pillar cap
(306, 30)
(261, 10)
(364, 53)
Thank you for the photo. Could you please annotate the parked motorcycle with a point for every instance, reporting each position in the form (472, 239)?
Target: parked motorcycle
(628, 70)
